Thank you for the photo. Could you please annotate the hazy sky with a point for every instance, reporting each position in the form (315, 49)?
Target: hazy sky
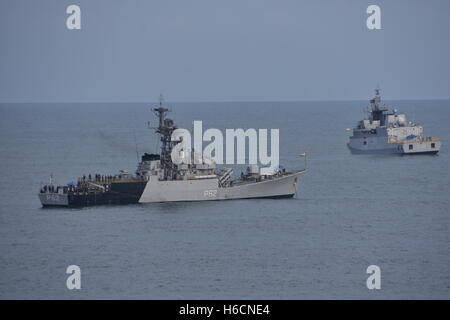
(215, 50)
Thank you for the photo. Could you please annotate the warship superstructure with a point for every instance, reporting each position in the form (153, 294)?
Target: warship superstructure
(388, 131)
(159, 179)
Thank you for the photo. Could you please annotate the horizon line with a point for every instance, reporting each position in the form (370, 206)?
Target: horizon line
(215, 101)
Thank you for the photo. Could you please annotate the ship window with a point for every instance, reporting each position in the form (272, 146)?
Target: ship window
(365, 142)
(410, 147)
(433, 145)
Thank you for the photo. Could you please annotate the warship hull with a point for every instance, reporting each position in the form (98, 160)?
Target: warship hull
(54, 200)
(155, 190)
(117, 194)
(382, 145)
(208, 189)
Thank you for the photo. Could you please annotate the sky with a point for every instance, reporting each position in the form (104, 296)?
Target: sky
(223, 50)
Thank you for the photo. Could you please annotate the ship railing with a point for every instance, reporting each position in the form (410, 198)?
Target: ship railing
(97, 185)
(54, 189)
(401, 141)
(109, 179)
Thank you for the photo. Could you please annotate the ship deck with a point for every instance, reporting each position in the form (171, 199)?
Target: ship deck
(241, 182)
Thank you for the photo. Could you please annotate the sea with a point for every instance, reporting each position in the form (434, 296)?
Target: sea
(350, 211)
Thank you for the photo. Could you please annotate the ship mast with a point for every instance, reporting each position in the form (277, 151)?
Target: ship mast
(375, 102)
(165, 130)
(377, 112)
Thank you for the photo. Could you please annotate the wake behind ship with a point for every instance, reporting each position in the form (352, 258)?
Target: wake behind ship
(159, 179)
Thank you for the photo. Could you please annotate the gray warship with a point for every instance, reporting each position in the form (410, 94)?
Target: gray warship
(386, 131)
(159, 179)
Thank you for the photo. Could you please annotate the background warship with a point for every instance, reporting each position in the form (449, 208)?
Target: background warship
(158, 179)
(386, 131)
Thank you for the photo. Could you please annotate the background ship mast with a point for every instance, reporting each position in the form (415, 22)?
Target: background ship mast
(376, 110)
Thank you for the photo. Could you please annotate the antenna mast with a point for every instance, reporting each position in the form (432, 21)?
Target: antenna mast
(136, 145)
(165, 129)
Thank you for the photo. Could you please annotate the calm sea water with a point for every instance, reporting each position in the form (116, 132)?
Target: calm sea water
(351, 211)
